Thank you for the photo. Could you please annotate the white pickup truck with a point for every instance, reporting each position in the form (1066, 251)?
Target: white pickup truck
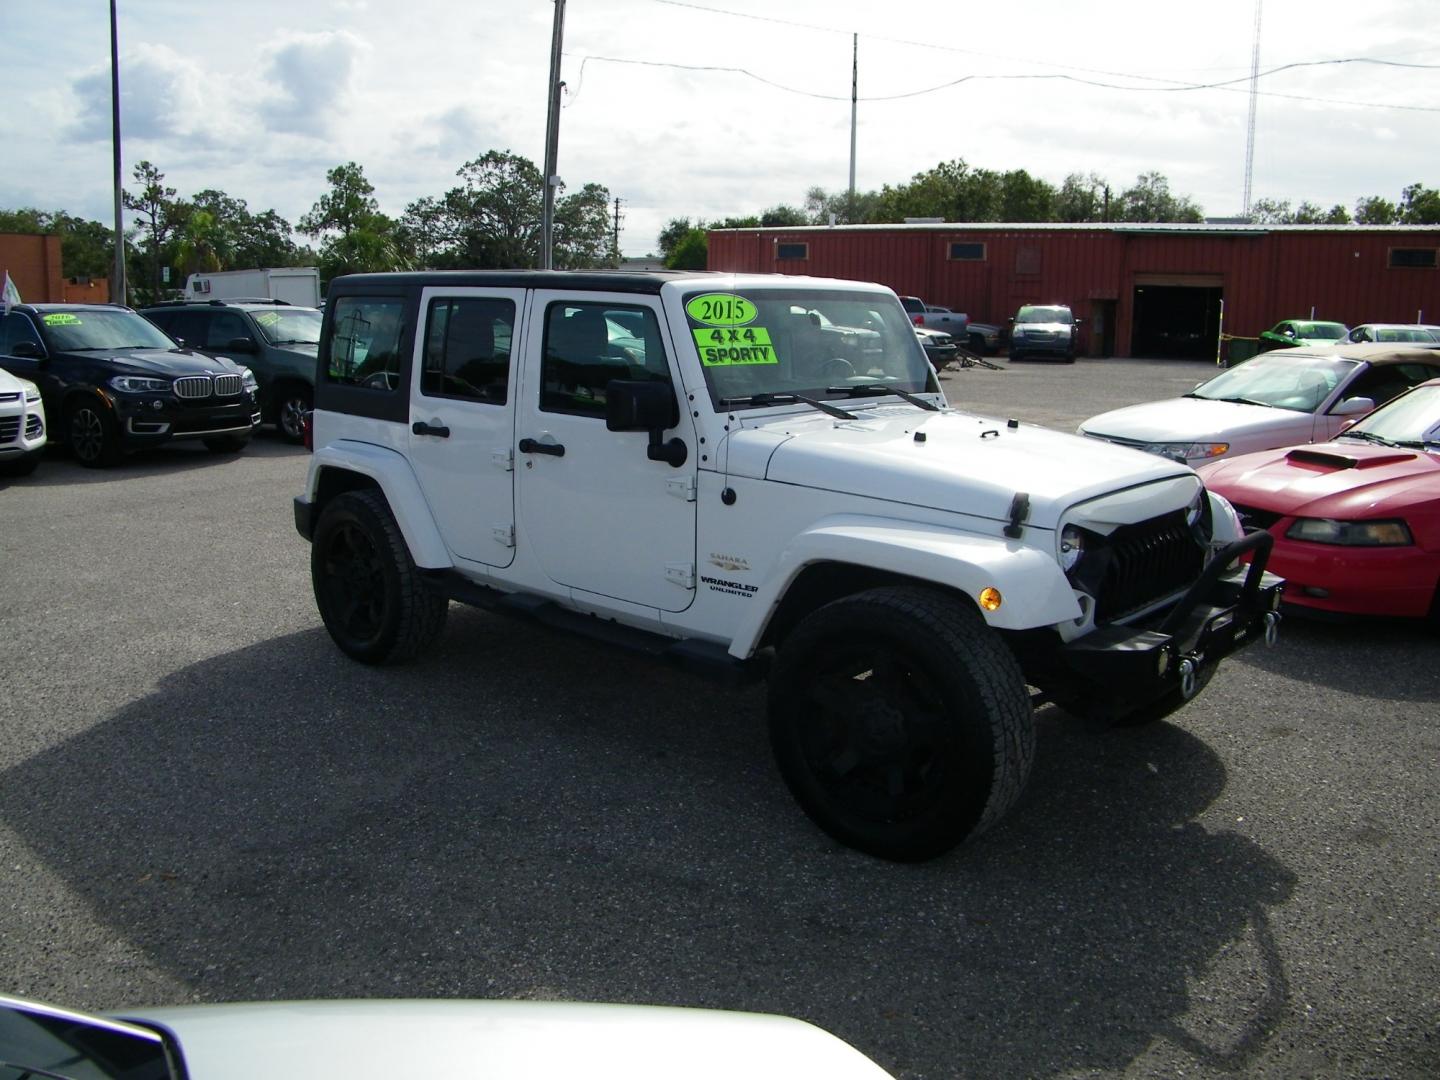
(760, 476)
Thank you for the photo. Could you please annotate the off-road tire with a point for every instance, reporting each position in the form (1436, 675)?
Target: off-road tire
(371, 597)
(92, 433)
(900, 721)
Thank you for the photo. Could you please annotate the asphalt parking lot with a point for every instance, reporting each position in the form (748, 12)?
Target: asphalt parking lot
(201, 799)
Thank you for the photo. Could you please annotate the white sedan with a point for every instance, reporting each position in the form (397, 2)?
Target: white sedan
(1278, 398)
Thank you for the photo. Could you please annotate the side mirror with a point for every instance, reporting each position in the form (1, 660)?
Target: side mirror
(633, 405)
(29, 350)
(240, 344)
(1355, 406)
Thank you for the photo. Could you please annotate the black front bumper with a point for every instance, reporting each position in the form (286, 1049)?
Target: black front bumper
(1226, 609)
(145, 420)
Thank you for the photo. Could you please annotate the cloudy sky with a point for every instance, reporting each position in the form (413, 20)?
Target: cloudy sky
(716, 107)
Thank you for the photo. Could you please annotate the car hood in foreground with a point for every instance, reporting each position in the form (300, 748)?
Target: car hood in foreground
(1343, 480)
(1191, 419)
(952, 460)
(499, 1040)
(170, 362)
(13, 384)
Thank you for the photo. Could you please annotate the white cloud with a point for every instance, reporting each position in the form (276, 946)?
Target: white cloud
(312, 79)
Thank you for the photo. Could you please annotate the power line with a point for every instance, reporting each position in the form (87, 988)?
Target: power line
(1227, 84)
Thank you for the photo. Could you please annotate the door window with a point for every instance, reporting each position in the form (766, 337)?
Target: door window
(15, 328)
(225, 327)
(467, 349)
(587, 345)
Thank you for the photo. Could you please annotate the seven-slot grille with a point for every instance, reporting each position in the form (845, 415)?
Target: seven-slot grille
(1147, 562)
(191, 387)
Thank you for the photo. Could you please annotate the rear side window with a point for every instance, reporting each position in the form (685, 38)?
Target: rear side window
(587, 345)
(467, 349)
(14, 329)
(365, 342)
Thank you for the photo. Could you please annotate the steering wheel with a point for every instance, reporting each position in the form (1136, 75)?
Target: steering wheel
(837, 367)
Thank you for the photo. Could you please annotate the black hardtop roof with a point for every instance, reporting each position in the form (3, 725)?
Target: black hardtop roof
(636, 281)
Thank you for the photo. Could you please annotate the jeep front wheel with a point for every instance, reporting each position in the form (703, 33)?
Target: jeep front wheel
(369, 592)
(900, 722)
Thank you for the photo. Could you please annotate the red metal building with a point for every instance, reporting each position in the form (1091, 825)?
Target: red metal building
(1142, 290)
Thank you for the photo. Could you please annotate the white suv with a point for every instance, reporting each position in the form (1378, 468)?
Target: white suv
(22, 425)
(760, 475)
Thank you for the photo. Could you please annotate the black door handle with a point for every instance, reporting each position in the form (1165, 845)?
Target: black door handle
(440, 431)
(530, 446)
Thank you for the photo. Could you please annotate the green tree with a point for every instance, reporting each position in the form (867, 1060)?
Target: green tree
(691, 253)
(356, 237)
(670, 236)
(158, 214)
(1419, 205)
(782, 217)
(1026, 198)
(1151, 200)
(583, 237)
(1375, 211)
(1082, 197)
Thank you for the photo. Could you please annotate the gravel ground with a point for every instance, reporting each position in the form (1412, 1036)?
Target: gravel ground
(201, 799)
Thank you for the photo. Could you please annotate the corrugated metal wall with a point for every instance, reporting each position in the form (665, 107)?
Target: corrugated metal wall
(1266, 274)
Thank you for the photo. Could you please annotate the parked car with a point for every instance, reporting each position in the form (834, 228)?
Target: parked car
(983, 338)
(935, 316)
(112, 381)
(1044, 330)
(1274, 399)
(22, 425)
(378, 1040)
(1298, 333)
(277, 340)
(939, 346)
(1392, 332)
(1356, 521)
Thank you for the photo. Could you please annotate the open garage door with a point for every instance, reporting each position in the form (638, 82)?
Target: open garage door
(1176, 315)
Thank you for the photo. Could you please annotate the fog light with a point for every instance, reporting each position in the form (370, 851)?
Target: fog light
(157, 405)
(1162, 662)
(990, 598)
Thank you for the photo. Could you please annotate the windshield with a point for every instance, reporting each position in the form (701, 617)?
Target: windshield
(1043, 315)
(1412, 417)
(101, 328)
(291, 326)
(1282, 380)
(1326, 331)
(811, 342)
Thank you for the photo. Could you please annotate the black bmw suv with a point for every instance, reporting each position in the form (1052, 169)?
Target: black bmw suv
(112, 381)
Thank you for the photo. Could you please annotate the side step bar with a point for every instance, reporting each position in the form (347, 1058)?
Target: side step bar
(701, 657)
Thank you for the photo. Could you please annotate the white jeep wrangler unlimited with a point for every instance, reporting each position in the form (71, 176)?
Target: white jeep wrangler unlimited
(761, 474)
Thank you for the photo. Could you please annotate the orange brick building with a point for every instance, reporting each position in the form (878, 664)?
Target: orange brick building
(34, 265)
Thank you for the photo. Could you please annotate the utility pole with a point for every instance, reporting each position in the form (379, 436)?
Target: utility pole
(854, 105)
(552, 142)
(615, 240)
(118, 292)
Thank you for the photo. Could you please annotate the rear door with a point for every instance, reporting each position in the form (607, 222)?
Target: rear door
(462, 418)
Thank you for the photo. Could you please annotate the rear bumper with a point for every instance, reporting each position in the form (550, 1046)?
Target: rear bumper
(1227, 609)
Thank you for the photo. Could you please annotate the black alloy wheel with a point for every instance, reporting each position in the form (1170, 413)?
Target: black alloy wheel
(93, 438)
(291, 409)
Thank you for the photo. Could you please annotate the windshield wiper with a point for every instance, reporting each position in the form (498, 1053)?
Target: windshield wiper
(763, 399)
(1415, 444)
(881, 390)
(1368, 436)
(1235, 400)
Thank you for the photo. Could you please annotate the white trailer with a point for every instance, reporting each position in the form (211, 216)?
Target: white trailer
(299, 285)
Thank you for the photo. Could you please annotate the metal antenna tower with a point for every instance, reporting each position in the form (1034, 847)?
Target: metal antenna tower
(1254, 94)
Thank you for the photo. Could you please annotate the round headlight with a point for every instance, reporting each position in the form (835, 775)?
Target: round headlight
(1072, 548)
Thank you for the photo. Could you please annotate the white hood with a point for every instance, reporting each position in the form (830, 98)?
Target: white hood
(500, 1040)
(958, 465)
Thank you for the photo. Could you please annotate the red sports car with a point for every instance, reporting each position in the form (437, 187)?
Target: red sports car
(1356, 521)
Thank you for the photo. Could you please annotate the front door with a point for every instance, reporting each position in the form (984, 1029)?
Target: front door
(598, 515)
(462, 419)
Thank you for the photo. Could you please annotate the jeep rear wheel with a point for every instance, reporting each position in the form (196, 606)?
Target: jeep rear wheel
(369, 592)
(900, 722)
